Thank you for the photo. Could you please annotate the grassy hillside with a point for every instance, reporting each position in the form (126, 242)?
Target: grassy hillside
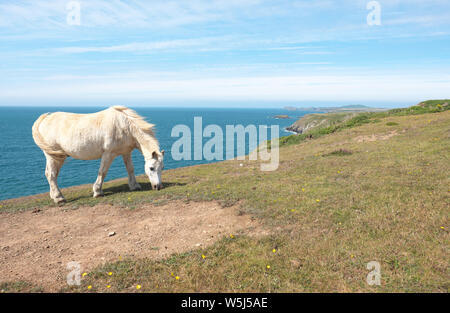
(334, 122)
(374, 188)
(309, 122)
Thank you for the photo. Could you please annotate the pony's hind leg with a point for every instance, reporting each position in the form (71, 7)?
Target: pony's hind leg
(107, 159)
(134, 185)
(52, 169)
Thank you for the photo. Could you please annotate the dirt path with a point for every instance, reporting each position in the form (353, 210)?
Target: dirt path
(36, 246)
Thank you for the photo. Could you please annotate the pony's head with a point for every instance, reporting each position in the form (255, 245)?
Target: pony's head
(153, 169)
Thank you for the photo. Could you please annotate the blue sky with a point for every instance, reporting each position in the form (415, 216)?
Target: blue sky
(224, 52)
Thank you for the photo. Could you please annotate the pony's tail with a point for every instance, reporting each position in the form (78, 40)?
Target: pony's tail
(40, 142)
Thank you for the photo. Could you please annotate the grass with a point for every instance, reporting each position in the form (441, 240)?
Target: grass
(340, 152)
(315, 121)
(19, 286)
(385, 201)
(431, 106)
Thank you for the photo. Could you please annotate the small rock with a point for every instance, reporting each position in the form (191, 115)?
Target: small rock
(110, 234)
(36, 210)
(241, 165)
(198, 244)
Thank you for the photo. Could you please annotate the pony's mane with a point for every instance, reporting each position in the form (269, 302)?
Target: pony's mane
(137, 120)
(142, 129)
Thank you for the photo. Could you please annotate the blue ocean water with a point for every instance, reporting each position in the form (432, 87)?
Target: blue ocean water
(22, 163)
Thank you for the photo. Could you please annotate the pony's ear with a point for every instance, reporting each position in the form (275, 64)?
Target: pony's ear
(155, 155)
(162, 152)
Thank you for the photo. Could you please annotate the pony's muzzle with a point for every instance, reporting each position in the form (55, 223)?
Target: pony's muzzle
(156, 186)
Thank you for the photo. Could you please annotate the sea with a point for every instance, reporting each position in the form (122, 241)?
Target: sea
(22, 163)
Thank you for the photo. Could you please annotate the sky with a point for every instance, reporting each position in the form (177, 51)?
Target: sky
(224, 52)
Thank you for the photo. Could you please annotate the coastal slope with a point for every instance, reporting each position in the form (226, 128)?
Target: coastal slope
(314, 121)
(372, 189)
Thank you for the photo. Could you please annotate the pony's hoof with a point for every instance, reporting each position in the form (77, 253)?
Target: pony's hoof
(98, 195)
(59, 200)
(136, 187)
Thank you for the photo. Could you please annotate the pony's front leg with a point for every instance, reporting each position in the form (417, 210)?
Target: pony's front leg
(52, 169)
(107, 159)
(130, 169)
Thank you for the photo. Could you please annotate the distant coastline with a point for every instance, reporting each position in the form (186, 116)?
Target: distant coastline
(326, 116)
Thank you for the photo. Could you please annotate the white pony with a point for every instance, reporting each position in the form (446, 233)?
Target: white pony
(106, 134)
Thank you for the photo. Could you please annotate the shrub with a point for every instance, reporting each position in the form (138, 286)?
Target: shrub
(340, 152)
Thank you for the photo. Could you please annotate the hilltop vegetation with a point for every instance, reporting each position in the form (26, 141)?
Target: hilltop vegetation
(310, 122)
(323, 124)
(372, 188)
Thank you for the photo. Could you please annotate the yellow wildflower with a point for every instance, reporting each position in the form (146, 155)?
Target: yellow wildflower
(177, 277)
(84, 274)
(138, 287)
(108, 286)
(89, 287)
(268, 267)
(274, 250)
(231, 236)
(203, 256)
(110, 273)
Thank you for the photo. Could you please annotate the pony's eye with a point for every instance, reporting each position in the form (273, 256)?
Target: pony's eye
(152, 169)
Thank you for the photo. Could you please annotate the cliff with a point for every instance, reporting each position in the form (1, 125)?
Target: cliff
(313, 121)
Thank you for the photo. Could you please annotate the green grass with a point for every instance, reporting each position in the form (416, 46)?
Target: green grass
(340, 152)
(432, 106)
(386, 201)
(19, 286)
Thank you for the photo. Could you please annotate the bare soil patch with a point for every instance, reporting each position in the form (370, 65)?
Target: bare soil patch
(35, 246)
(376, 137)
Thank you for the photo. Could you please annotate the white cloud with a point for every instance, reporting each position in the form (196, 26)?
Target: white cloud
(142, 46)
(133, 13)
